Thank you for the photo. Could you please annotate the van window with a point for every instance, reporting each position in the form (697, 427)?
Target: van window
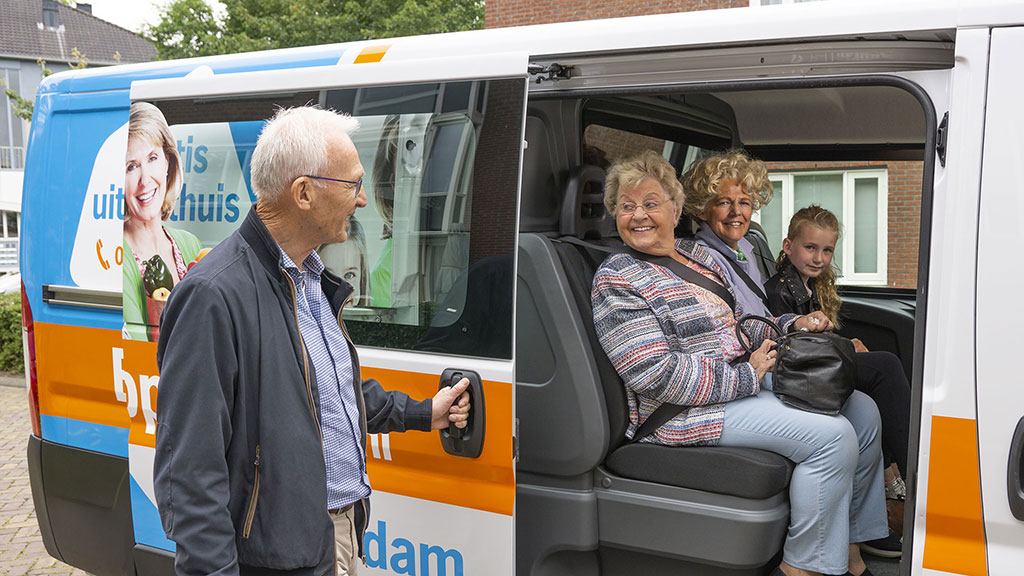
(431, 255)
(855, 150)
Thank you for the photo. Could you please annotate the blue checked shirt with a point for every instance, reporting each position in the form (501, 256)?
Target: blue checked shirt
(339, 412)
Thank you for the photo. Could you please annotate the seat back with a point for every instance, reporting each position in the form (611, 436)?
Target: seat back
(583, 216)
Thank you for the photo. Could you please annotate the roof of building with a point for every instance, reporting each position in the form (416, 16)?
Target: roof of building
(23, 36)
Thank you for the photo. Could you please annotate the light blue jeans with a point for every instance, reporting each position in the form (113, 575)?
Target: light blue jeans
(836, 493)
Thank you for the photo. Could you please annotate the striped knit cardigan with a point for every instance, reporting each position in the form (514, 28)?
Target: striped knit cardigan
(665, 347)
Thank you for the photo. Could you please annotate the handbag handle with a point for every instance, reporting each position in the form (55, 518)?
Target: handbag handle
(742, 336)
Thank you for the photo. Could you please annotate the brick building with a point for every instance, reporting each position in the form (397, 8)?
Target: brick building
(896, 185)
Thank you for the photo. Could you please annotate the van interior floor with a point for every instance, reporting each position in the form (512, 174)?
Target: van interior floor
(882, 566)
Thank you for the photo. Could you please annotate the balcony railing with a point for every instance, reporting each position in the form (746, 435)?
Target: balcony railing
(12, 157)
(8, 255)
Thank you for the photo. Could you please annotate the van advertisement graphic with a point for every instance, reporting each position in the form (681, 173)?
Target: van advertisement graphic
(184, 191)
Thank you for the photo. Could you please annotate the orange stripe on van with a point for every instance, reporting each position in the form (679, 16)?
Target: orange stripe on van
(372, 54)
(76, 378)
(955, 537)
(420, 468)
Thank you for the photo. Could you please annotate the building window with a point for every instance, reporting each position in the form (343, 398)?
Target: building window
(10, 224)
(858, 198)
(12, 154)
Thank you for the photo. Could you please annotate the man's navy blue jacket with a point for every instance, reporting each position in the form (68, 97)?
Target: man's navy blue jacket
(239, 468)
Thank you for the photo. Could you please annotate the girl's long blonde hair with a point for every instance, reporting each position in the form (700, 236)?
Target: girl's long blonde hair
(825, 283)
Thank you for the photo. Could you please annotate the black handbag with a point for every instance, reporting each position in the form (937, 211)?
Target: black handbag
(814, 371)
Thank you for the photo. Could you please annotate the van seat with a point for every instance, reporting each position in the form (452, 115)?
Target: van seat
(743, 472)
(739, 472)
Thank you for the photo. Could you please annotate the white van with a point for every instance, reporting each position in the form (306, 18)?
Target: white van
(484, 153)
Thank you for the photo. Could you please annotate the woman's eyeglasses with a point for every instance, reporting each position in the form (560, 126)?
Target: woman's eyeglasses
(647, 207)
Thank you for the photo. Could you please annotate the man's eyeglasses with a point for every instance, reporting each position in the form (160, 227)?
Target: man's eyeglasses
(358, 183)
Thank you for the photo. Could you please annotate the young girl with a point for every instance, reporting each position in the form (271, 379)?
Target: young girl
(806, 281)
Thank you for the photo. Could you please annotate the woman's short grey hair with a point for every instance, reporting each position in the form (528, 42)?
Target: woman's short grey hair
(629, 172)
(292, 144)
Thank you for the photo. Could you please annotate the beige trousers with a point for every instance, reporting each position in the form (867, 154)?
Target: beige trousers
(345, 548)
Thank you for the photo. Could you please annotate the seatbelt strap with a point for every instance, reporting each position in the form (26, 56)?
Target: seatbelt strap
(661, 415)
(666, 411)
(758, 290)
(680, 269)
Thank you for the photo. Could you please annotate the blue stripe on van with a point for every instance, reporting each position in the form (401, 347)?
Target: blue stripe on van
(121, 77)
(146, 520)
(85, 435)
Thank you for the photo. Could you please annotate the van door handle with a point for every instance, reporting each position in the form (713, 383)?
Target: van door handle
(467, 442)
(1015, 473)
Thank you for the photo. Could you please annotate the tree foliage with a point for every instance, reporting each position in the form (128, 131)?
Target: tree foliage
(11, 357)
(23, 107)
(190, 28)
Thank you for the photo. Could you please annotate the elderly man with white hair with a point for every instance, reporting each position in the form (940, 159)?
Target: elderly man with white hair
(260, 463)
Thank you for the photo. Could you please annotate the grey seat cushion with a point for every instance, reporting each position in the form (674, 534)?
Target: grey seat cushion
(742, 472)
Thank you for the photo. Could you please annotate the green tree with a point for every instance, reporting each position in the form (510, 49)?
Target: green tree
(186, 28)
(189, 27)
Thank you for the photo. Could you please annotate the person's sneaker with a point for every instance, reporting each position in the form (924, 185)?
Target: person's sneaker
(889, 547)
(896, 490)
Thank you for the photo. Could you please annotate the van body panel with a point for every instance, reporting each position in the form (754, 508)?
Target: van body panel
(947, 393)
(97, 390)
(876, 19)
(1000, 385)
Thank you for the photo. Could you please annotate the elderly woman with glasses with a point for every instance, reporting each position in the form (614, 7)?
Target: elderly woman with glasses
(673, 341)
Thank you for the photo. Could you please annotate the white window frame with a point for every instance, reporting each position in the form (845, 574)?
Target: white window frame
(784, 193)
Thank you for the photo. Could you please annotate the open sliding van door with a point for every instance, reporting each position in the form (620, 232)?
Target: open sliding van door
(1000, 386)
(432, 259)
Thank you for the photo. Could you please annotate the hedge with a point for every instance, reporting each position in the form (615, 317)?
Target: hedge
(11, 357)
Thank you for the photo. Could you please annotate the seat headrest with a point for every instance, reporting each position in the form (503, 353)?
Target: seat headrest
(686, 227)
(583, 214)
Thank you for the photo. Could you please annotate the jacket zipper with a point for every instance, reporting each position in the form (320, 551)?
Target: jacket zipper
(366, 522)
(305, 360)
(251, 512)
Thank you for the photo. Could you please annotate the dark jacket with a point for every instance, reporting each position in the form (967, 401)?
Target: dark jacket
(787, 294)
(239, 468)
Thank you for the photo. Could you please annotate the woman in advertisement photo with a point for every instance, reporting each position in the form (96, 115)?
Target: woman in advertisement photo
(160, 256)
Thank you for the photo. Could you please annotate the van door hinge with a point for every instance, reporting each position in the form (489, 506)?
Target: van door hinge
(941, 135)
(552, 72)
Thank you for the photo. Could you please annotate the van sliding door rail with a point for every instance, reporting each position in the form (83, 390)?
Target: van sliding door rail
(81, 297)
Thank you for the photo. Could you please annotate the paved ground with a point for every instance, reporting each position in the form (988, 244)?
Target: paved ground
(21, 550)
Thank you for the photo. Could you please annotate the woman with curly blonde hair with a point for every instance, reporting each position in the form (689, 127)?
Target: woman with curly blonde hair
(722, 192)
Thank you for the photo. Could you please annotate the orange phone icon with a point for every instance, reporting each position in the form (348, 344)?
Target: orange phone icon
(99, 254)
